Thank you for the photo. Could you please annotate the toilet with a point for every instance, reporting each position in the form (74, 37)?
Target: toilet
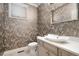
(33, 48)
(30, 50)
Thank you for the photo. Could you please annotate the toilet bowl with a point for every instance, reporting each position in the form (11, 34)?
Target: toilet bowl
(33, 48)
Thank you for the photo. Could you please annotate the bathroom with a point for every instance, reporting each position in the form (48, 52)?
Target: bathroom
(22, 23)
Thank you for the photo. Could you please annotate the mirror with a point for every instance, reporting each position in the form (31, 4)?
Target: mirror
(66, 12)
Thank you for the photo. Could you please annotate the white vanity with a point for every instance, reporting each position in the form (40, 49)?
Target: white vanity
(51, 48)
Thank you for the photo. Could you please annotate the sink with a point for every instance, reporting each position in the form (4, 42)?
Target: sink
(56, 38)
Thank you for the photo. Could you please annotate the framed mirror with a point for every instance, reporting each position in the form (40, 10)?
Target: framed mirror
(66, 12)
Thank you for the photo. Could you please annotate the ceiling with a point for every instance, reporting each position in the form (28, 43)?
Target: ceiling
(34, 4)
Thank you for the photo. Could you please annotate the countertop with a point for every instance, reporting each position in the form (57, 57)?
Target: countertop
(72, 45)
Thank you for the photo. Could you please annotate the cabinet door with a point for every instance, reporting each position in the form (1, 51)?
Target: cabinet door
(65, 53)
(50, 53)
(42, 51)
(51, 48)
(45, 49)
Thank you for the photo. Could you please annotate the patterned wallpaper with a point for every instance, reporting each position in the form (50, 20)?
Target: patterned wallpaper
(15, 33)
(69, 28)
(19, 32)
(1, 28)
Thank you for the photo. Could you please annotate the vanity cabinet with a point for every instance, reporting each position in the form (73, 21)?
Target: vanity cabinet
(46, 49)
